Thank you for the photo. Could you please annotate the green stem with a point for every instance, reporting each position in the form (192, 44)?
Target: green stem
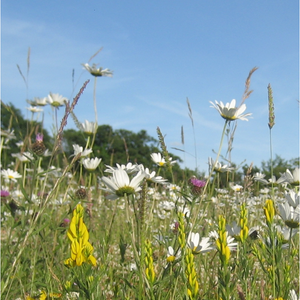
(210, 174)
(95, 102)
(271, 157)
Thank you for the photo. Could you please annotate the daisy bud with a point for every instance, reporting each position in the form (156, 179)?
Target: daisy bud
(81, 193)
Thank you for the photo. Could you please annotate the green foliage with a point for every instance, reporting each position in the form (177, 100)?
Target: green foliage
(279, 166)
(24, 131)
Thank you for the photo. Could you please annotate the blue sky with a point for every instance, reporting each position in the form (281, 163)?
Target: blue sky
(162, 52)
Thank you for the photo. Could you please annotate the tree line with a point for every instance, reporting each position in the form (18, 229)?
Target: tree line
(113, 146)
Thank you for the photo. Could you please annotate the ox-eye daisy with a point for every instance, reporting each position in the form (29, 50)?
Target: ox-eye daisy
(10, 175)
(119, 184)
(89, 127)
(289, 214)
(197, 246)
(56, 100)
(158, 159)
(230, 112)
(91, 164)
(97, 71)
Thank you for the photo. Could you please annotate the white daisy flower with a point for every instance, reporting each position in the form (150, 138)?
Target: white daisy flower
(89, 127)
(78, 149)
(98, 72)
(91, 164)
(119, 184)
(10, 175)
(229, 111)
(56, 100)
(158, 159)
(197, 246)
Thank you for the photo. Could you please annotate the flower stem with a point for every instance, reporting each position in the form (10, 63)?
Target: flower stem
(210, 173)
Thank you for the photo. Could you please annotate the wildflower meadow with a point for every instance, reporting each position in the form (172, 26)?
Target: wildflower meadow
(85, 226)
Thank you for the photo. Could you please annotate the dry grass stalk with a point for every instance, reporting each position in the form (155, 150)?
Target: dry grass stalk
(248, 181)
(68, 110)
(247, 92)
(190, 111)
(28, 61)
(94, 55)
(240, 292)
(163, 147)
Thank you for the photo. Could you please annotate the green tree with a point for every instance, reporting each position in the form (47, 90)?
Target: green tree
(24, 130)
(279, 166)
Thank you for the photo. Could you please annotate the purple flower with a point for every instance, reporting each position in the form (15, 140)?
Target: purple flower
(39, 137)
(196, 185)
(4, 193)
(65, 223)
(197, 182)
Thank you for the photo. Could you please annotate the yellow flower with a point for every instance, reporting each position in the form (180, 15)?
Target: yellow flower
(269, 211)
(81, 249)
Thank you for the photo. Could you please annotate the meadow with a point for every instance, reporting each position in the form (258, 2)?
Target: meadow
(82, 229)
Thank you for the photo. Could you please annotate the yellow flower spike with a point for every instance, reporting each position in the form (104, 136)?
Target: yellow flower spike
(76, 253)
(81, 249)
(227, 254)
(69, 263)
(269, 211)
(222, 223)
(244, 234)
(83, 232)
(218, 243)
(223, 237)
(43, 295)
(72, 232)
(79, 210)
(67, 285)
(92, 260)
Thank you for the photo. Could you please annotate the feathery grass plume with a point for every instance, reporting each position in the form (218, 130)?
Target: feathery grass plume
(271, 124)
(94, 55)
(68, 110)
(163, 145)
(192, 120)
(248, 92)
(76, 121)
(27, 71)
(248, 180)
(28, 61)
(271, 107)
(190, 272)
(182, 136)
(164, 151)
